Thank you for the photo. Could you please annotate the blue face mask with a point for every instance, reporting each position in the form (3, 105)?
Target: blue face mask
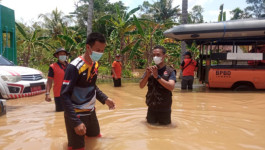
(96, 56)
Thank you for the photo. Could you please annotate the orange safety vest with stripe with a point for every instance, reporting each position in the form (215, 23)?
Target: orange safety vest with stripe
(57, 79)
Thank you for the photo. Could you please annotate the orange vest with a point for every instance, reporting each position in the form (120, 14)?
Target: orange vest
(57, 79)
(189, 68)
(117, 68)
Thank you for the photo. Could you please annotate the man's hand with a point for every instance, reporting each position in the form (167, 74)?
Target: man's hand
(110, 103)
(115, 77)
(48, 98)
(148, 71)
(154, 71)
(80, 129)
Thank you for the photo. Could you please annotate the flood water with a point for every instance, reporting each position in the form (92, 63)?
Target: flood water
(206, 120)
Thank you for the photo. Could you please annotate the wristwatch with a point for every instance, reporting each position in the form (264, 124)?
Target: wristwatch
(158, 77)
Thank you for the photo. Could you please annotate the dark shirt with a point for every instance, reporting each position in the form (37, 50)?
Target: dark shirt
(79, 90)
(159, 98)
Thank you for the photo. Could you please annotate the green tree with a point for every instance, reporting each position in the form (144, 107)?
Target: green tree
(257, 7)
(237, 13)
(31, 41)
(122, 24)
(196, 14)
(101, 8)
(161, 11)
(222, 14)
(54, 22)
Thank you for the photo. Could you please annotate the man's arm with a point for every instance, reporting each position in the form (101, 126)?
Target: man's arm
(103, 98)
(182, 65)
(114, 73)
(170, 84)
(70, 78)
(144, 80)
(49, 84)
(48, 89)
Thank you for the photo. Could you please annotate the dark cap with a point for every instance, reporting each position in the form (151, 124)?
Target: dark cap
(187, 53)
(60, 50)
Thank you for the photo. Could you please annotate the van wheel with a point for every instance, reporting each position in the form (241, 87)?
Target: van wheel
(244, 88)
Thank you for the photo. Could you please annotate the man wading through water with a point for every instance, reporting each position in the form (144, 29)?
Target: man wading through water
(79, 92)
(56, 75)
(161, 81)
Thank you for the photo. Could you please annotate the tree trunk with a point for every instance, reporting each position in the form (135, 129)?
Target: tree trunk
(90, 16)
(26, 63)
(184, 21)
(150, 52)
(122, 54)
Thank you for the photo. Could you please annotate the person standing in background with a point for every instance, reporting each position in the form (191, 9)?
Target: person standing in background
(188, 67)
(56, 75)
(116, 71)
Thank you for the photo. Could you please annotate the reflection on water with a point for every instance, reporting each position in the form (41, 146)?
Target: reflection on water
(200, 120)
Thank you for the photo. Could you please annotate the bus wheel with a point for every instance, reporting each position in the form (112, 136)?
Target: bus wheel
(243, 88)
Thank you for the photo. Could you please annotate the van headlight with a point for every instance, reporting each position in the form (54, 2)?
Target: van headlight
(10, 78)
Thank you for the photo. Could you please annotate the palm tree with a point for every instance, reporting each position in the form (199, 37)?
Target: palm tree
(31, 41)
(54, 22)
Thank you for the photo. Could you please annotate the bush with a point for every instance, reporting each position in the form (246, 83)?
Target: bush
(127, 74)
(103, 70)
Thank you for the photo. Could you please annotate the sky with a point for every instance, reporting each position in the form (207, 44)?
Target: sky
(27, 11)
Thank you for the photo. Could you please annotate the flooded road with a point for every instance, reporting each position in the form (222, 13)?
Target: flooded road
(212, 120)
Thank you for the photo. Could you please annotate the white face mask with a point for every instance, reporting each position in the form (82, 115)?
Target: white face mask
(157, 60)
(62, 58)
(96, 56)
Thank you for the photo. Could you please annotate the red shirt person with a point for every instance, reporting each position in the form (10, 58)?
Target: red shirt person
(56, 76)
(116, 71)
(188, 67)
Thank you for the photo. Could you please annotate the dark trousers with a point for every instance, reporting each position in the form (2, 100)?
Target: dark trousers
(160, 117)
(187, 82)
(117, 82)
(58, 104)
(92, 130)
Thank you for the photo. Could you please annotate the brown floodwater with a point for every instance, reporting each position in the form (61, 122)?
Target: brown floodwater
(202, 119)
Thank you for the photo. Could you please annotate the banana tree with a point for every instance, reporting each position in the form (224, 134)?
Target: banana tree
(122, 24)
(73, 40)
(31, 41)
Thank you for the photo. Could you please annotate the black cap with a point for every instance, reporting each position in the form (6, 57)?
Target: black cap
(60, 50)
(187, 53)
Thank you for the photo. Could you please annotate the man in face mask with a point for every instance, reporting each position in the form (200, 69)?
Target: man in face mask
(56, 75)
(116, 71)
(161, 81)
(80, 93)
